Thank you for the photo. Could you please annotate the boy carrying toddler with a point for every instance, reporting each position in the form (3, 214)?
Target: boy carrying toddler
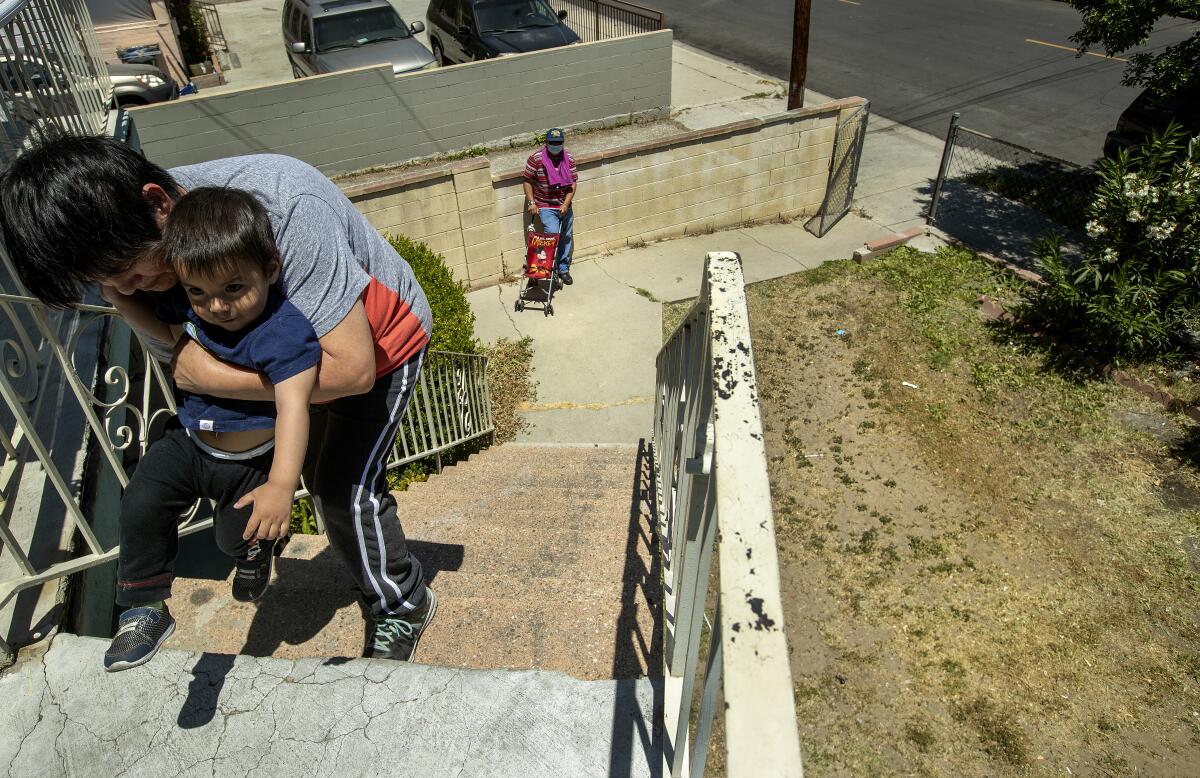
(244, 455)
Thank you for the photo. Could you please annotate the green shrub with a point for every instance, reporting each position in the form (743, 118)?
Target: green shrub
(193, 31)
(453, 321)
(1137, 287)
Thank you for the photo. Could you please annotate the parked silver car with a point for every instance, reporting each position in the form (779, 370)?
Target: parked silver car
(324, 37)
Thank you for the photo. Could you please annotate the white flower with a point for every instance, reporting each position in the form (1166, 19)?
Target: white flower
(1110, 255)
(1161, 231)
(1135, 216)
(1095, 229)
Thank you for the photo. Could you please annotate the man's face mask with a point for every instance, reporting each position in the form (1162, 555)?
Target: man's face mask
(554, 148)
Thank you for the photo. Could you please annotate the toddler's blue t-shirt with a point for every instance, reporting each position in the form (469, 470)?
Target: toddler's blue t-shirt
(280, 343)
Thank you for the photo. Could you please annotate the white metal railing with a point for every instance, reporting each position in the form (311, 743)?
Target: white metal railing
(120, 406)
(52, 76)
(710, 470)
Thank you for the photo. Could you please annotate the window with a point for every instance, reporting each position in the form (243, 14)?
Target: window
(510, 15)
(293, 21)
(305, 35)
(358, 28)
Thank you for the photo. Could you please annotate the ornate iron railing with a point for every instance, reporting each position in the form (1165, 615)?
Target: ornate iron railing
(710, 471)
(52, 76)
(116, 402)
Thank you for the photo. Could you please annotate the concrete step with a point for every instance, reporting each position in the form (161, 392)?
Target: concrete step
(192, 714)
(568, 583)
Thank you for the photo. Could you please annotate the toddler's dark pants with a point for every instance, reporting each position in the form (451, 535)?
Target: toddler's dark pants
(172, 475)
(350, 441)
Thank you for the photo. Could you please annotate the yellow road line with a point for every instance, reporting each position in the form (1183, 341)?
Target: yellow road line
(1070, 48)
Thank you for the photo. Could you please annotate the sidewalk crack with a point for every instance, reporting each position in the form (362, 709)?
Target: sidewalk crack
(771, 249)
(628, 286)
(504, 307)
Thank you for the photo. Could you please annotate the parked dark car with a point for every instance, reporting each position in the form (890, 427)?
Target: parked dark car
(324, 37)
(1151, 113)
(469, 30)
(140, 85)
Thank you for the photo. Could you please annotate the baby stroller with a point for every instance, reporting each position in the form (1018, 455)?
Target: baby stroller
(541, 250)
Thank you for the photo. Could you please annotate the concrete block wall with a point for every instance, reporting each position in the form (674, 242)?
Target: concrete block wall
(362, 118)
(694, 182)
(451, 208)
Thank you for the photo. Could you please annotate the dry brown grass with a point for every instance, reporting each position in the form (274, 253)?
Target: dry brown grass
(510, 382)
(988, 574)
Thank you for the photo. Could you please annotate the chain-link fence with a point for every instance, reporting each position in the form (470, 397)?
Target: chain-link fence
(976, 166)
(843, 171)
(1003, 198)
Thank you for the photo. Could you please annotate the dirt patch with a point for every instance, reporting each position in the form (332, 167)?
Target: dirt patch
(984, 555)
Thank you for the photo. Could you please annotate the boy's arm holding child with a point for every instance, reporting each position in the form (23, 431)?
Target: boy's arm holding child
(273, 500)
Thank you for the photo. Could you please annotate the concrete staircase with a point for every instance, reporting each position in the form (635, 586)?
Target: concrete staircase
(546, 572)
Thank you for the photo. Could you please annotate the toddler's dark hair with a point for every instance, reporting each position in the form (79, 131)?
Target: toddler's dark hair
(213, 229)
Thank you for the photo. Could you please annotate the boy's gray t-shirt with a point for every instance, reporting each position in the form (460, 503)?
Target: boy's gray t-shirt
(332, 256)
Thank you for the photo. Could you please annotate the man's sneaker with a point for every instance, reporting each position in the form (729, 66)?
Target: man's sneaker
(140, 632)
(566, 277)
(253, 575)
(396, 637)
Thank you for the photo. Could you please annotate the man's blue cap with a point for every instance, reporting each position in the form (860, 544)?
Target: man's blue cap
(555, 136)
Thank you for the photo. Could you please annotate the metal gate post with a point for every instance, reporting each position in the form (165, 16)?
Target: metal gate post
(947, 153)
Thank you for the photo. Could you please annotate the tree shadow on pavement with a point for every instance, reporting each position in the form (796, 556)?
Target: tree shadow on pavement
(988, 222)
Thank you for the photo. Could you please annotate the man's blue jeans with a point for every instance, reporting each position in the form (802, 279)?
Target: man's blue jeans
(563, 225)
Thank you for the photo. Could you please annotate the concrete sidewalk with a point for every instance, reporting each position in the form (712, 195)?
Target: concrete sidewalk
(594, 359)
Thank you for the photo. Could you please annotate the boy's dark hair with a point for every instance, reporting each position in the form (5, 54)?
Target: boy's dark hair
(214, 229)
(71, 211)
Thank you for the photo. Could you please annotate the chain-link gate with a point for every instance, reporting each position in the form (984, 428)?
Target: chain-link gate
(843, 171)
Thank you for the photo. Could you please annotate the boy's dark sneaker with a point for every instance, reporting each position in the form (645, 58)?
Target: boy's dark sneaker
(140, 632)
(566, 277)
(252, 576)
(396, 637)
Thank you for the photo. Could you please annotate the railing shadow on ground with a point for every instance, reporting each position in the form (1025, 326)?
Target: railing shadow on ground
(635, 650)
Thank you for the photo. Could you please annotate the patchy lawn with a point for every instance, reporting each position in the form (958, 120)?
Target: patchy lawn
(990, 569)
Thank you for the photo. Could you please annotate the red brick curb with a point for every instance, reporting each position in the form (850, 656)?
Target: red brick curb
(878, 248)
(996, 312)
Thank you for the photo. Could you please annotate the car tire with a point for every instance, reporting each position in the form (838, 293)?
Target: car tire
(438, 55)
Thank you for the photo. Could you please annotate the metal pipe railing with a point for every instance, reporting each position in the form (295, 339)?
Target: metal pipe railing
(710, 472)
(52, 76)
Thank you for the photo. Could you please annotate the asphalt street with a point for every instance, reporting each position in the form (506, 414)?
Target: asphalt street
(1007, 65)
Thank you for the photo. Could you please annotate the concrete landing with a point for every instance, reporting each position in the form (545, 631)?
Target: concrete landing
(540, 556)
(194, 714)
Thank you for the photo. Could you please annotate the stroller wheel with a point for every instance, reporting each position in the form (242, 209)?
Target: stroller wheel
(519, 305)
(549, 310)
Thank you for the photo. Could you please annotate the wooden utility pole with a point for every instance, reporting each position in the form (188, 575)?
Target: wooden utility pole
(799, 54)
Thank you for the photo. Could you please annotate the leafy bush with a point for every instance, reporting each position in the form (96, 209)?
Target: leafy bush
(1136, 289)
(453, 321)
(193, 31)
